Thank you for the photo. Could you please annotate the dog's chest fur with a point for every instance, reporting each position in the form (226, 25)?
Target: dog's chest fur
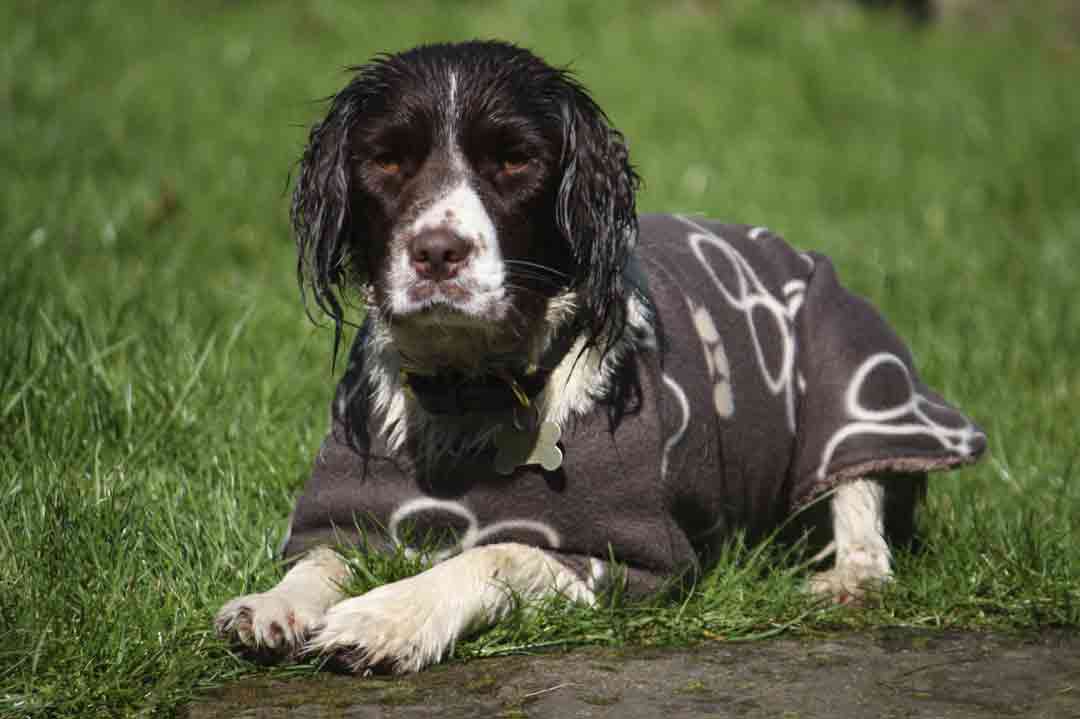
(745, 409)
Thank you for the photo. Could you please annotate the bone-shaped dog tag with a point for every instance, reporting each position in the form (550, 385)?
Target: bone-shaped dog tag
(517, 448)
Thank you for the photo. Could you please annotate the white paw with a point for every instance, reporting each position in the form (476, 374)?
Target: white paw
(400, 627)
(858, 575)
(272, 623)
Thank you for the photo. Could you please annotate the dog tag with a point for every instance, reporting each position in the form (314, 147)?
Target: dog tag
(517, 448)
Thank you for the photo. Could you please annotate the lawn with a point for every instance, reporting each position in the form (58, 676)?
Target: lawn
(162, 392)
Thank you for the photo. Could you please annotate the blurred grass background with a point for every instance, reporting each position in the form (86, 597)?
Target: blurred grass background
(162, 393)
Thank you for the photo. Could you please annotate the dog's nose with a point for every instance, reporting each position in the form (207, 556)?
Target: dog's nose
(438, 254)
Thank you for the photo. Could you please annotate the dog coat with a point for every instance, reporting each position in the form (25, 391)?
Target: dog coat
(770, 384)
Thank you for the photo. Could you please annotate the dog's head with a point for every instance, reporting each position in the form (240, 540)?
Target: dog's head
(469, 191)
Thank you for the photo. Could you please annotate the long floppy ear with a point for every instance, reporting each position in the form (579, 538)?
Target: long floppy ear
(320, 212)
(595, 210)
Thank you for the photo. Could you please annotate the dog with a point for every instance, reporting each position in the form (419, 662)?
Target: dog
(552, 395)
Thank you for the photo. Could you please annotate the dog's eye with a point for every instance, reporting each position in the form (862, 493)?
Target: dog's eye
(513, 164)
(390, 164)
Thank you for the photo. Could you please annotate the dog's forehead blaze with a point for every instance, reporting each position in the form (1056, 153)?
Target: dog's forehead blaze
(458, 208)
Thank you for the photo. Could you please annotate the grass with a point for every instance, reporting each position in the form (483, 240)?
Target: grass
(161, 393)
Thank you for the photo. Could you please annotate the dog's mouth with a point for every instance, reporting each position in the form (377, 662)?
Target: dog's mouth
(425, 294)
(449, 302)
(441, 311)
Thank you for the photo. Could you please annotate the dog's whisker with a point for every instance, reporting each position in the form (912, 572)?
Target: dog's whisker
(540, 279)
(536, 266)
(514, 287)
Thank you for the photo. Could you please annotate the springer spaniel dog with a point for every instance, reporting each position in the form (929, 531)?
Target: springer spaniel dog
(551, 394)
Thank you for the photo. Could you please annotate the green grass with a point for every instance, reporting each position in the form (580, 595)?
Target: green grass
(162, 394)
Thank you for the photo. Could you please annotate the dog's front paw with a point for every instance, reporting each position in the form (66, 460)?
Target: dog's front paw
(268, 625)
(398, 628)
(846, 587)
(857, 578)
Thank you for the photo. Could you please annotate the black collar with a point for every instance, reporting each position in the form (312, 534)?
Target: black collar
(452, 392)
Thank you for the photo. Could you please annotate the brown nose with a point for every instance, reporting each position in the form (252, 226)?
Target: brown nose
(438, 254)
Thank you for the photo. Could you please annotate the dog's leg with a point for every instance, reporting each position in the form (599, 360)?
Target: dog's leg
(277, 622)
(863, 559)
(410, 624)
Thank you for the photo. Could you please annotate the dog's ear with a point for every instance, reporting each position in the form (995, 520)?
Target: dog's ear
(321, 219)
(595, 209)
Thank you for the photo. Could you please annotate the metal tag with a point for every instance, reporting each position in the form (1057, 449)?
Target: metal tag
(517, 448)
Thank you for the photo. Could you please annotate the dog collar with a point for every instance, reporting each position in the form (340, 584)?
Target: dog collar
(518, 443)
(456, 394)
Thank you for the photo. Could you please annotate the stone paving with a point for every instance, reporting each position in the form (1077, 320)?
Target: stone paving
(890, 673)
